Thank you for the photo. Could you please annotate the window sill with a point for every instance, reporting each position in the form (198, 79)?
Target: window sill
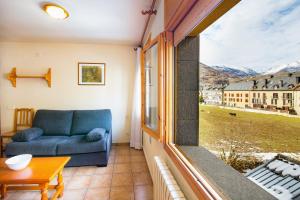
(230, 182)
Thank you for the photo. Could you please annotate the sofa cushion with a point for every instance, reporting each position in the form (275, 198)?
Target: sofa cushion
(54, 122)
(42, 146)
(27, 135)
(77, 144)
(86, 120)
(95, 135)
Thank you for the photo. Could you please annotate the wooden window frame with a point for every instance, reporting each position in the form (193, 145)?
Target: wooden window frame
(156, 134)
(200, 184)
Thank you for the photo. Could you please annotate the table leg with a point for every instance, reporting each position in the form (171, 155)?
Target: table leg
(44, 191)
(60, 185)
(3, 191)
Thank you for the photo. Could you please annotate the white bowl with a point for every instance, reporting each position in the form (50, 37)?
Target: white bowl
(18, 162)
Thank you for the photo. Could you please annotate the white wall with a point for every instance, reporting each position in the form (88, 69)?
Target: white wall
(151, 146)
(65, 93)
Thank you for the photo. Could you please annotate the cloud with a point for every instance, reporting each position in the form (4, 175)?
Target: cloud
(257, 34)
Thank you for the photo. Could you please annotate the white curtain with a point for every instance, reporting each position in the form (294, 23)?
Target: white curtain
(136, 131)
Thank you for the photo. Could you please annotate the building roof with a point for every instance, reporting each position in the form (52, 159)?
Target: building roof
(279, 176)
(285, 81)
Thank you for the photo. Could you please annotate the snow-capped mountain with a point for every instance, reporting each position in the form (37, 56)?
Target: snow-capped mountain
(239, 72)
(291, 67)
(217, 75)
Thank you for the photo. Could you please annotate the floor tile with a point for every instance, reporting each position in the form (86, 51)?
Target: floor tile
(111, 159)
(134, 152)
(123, 151)
(69, 171)
(103, 180)
(138, 159)
(84, 171)
(139, 167)
(122, 193)
(79, 182)
(77, 194)
(122, 146)
(122, 168)
(142, 178)
(23, 195)
(143, 192)
(122, 179)
(105, 170)
(122, 159)
(97, 194)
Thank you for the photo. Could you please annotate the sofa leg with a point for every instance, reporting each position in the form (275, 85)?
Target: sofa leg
(102, 165)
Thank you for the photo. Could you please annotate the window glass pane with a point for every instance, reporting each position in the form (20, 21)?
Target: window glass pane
(249, 93)
(151, 87)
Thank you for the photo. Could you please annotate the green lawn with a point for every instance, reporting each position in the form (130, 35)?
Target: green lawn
(249, 132)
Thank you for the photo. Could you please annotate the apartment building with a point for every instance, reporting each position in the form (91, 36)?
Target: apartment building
(212, 95)
(277, 93)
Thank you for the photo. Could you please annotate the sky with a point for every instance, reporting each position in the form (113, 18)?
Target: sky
(257, 34)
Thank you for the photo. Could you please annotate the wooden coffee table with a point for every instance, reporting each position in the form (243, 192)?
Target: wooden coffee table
(40, 171)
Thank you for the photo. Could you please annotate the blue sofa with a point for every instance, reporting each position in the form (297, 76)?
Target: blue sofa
(64, 134)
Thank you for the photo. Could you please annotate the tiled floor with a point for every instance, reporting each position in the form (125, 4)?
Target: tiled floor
(126, 177)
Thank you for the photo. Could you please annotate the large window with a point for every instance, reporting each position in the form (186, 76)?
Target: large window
(227, 91)
(251, 50)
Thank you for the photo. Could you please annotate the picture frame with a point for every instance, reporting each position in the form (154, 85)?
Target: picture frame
(91, 73)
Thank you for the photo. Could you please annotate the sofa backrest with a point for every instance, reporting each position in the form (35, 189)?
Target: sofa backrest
(86, 120)
(54, 122)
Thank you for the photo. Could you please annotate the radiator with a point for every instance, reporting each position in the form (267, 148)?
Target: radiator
(165, 186)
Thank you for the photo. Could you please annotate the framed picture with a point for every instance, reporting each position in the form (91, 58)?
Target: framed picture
(91, 73)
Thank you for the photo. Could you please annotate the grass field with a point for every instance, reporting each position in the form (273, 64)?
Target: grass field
(248, 131)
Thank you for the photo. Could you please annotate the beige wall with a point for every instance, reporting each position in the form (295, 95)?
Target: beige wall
(35, 58)
(243, 99)
(297, 101)
(269, 97)
(151, 146)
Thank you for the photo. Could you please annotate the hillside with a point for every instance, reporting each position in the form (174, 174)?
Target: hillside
(290, 67)
(217, 76)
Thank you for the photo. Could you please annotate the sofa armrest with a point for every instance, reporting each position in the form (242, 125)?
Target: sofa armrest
(108, 143)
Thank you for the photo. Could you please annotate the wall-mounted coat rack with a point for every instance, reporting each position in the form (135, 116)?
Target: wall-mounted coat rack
(12, 76)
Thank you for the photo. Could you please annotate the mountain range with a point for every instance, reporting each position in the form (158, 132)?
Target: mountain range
(290, 67)
(216, 76)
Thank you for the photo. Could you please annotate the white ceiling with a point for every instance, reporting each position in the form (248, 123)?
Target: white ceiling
(97, 21)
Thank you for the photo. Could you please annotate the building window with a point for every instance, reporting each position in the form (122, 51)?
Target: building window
(246, 95)
(275, 95)
(254, 95)
(264, 101)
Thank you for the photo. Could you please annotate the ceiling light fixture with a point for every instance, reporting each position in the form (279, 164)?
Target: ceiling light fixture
(56, 11)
